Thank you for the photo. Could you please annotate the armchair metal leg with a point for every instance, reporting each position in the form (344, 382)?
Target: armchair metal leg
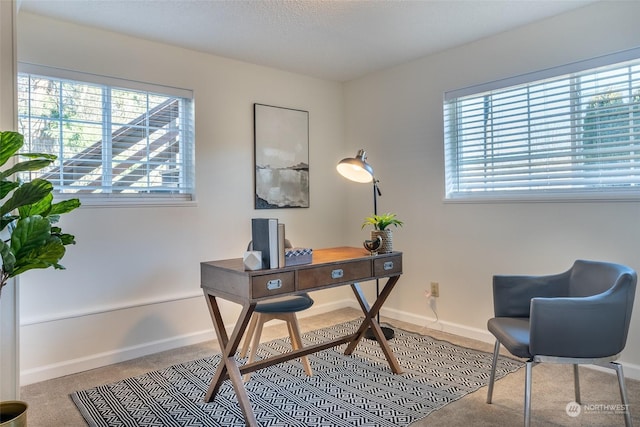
(527, 394)
(496, 351)
(576, 383)
(623, 394)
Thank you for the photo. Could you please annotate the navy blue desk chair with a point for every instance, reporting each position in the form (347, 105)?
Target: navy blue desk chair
(285, 309)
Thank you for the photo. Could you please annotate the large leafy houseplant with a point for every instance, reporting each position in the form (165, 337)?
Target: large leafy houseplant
(28, 237)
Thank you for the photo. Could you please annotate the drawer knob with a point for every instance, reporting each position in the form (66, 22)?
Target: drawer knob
(387, 265)
(337, 274)
(274, 284)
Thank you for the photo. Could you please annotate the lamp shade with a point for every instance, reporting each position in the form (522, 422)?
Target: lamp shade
(356, 168)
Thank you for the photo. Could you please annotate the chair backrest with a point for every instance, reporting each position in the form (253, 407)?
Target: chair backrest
(589, 278)
(612, 283)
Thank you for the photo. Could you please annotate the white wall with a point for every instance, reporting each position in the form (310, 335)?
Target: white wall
(132, 281)
(108, 304)
(396, 115)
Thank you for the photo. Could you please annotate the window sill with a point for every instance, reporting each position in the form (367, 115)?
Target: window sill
(549, 198)
(106, 201)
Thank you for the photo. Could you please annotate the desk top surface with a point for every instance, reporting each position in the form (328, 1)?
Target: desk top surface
(320, 256)
(329, 267)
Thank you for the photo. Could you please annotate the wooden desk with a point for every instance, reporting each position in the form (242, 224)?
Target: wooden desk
(332, 267)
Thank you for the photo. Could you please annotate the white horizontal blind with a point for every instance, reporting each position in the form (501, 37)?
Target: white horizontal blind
(110, 141)
(571, 134)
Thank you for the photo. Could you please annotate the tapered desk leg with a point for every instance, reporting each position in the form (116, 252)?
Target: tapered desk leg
(228, 365)
(370, 322)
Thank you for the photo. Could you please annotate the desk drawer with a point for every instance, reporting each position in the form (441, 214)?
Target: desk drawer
(388, 266)
(337, 273)
(272, 284)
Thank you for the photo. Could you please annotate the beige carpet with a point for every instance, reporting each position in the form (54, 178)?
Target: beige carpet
(50, 405)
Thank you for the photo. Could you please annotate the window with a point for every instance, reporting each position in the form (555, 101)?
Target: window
(114, 139)
(572, 131)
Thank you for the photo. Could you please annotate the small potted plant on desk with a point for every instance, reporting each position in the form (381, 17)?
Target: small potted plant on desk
(381, 229)
(28, 237)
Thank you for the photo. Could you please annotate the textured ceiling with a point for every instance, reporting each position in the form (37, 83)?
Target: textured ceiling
(336, 40)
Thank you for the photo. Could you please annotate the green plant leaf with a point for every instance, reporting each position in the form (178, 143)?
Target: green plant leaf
(6, 187)
(64, 206)
(29, 234)
(41, 207)
(44, 256)
(10, 143)
(29, 165)
(8, 260)
(381, 222)
(6, 220)
(33, 242)
(67, 239)
(39, 156)
(27, 194)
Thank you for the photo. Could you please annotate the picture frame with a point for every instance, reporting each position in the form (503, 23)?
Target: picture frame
(281, 157)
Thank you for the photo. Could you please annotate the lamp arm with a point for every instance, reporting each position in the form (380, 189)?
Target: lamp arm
(376, 193)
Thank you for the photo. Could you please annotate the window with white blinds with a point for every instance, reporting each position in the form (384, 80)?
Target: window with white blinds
(113, 140)
(572, 131)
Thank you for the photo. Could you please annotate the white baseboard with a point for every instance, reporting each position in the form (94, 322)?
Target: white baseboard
(430, 322)
(631, 370)
(98, 360)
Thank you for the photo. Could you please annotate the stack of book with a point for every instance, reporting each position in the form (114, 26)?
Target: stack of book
(268, 237)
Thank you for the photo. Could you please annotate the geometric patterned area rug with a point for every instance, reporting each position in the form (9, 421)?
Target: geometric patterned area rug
(356, 390)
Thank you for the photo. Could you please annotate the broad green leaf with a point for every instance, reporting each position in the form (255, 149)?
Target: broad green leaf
(6, 187)
(52, 252)
(26, 194)
(10, 143)
(34, 243)
(29, 234)
(39, 155)
(41, 207)
(44, 256)
(29, 266)
(64, 206)
(6, 220)
(8, 260)
(29, 165)
(67, 239)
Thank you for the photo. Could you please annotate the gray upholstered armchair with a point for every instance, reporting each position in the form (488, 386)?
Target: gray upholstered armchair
(580, 316)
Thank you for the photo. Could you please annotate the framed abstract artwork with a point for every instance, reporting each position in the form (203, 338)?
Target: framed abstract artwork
(281, 153)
